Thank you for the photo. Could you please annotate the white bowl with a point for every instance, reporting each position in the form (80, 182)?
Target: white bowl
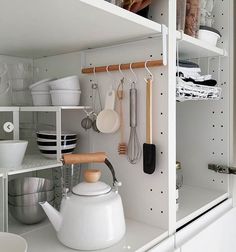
(209, 35)
(54, 148)
(42, 98)
(52, 135)
(67, 83)
(42, 85)
(12, 243)
(12, 153)
(65, 97)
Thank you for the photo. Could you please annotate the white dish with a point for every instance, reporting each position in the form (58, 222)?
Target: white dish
(12, 153)
(42, 85)
(67, 83)
(65, 97)
(41, 98)
(54, 148)
(12, 243)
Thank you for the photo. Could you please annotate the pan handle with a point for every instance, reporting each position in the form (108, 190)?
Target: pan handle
(98, 157)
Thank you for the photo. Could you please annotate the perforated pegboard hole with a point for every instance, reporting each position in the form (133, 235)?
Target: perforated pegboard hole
(222, 126)
(213, 153)
(162, 192)
(221, 153)
(161, 93)
(162, 133)
(161, 152)
(162, 212)
(213, 139)
(222, 112)
(221, 139)
(161, 74)
(213, 112)
(161, 113)
(161, 172)
(151, 190)
(150, 209)
(213, 125)
(213, 180)
(222, 182)
(150, 55)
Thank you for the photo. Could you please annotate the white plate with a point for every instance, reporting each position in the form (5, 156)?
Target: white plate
(12, 243)
(66, 147)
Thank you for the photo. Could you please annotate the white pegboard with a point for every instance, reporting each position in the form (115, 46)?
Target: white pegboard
(145, 197)
(203, 127)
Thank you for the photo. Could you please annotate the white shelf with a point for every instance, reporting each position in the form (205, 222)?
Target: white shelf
(31, 28)
(139, 237)
(16, 227)
(52, 108)
(193, 201)
(33, 163)
(190, 47)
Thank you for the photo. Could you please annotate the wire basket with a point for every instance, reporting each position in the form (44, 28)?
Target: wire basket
(187, 91)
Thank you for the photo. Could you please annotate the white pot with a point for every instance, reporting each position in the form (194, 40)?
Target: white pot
(209, 35)
(68, 83)
(12, 153)
(65, 97)
(42, 98)
(91, 218)
(42, 85)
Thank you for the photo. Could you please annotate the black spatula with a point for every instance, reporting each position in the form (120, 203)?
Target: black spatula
(149, 149)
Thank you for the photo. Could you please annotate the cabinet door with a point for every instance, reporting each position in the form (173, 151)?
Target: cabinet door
(217, 237)
(165, 246)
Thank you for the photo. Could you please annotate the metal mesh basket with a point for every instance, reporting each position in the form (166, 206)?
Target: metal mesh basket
(186, 91)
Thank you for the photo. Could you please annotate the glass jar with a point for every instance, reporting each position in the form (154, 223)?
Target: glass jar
(192, 20)
(179, 175)
(181, 14)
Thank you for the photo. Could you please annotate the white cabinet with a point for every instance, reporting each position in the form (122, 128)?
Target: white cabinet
(88, 33)
(217, 237)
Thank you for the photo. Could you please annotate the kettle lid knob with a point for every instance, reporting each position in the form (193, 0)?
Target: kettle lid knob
(92, 175)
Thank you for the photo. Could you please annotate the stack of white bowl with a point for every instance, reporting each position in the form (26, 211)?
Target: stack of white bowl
(40, 92)
(65, 91)
(47, 143)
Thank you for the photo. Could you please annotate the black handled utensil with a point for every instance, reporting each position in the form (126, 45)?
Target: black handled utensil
(149, 149)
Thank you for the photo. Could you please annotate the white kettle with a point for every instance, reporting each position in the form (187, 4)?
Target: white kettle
(92, 216)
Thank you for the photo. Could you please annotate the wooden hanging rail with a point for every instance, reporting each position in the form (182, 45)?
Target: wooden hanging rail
(100, 69)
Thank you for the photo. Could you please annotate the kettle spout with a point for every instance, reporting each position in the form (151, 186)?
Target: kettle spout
(53, 215)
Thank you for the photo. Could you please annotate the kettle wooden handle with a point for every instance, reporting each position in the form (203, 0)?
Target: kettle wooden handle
(98, 157)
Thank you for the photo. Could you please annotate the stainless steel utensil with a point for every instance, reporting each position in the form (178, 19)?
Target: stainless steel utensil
(27, 185)
(30, 199)
(28, 214)
(134, 148)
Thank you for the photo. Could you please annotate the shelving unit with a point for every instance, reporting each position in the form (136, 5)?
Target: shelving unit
(193, 201)
(34, 163)
(138, 238)
(59, 27)
(190, 47)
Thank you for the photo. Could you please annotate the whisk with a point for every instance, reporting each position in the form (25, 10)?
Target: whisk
(134, 148)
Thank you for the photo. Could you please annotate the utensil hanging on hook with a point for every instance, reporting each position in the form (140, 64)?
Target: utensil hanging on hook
(149, 149)
(134, 148)
(96, 96)
(108, 120)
